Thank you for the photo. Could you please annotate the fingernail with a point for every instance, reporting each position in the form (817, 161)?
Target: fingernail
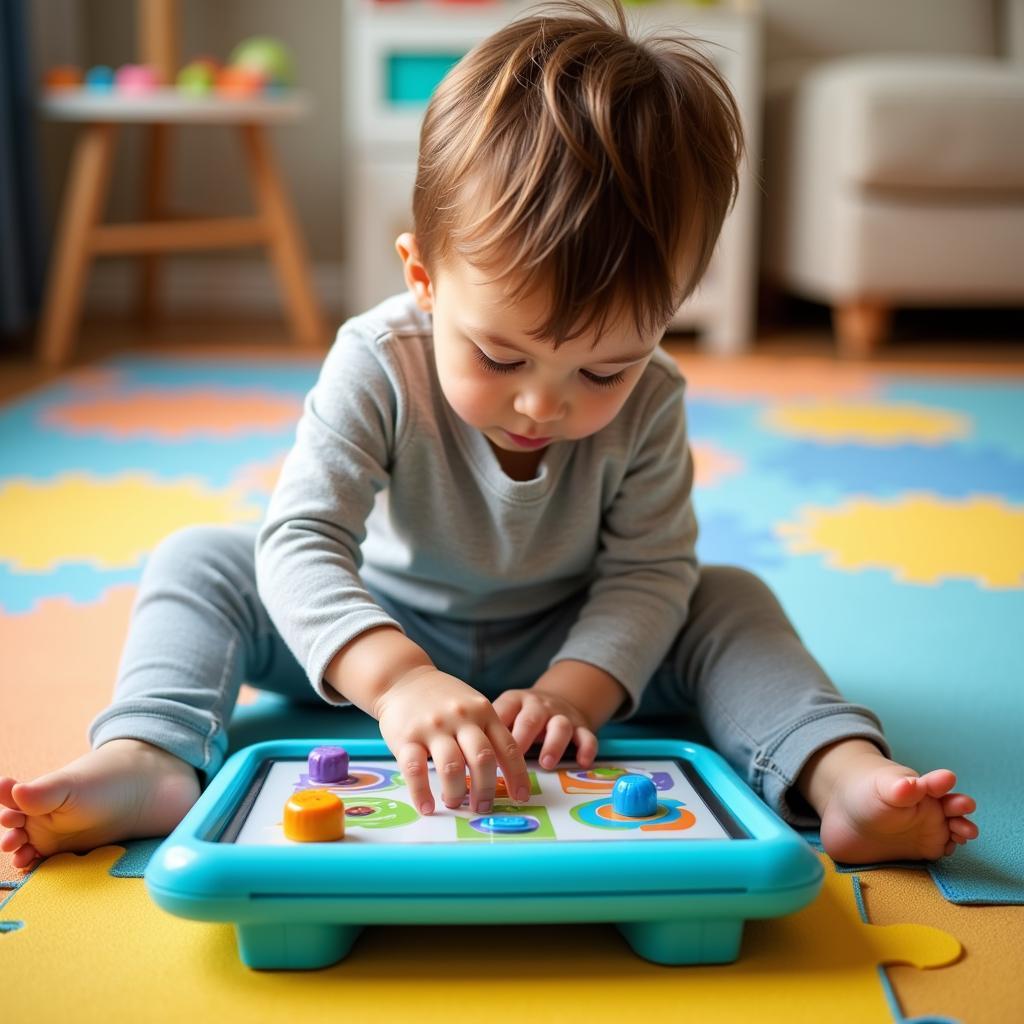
(522, 794)
(484, 806)
(426, 807)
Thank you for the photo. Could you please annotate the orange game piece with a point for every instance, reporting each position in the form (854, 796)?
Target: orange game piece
(314, 816)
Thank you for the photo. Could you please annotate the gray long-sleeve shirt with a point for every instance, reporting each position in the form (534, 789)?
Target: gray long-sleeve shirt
(385, 484)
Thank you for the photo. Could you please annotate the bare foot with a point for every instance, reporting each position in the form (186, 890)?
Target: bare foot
(873, 809)
(125, 789)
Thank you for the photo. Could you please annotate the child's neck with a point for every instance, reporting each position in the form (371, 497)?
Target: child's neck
(518, 465)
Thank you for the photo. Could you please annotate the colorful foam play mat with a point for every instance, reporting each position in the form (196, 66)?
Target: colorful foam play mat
(886, 509)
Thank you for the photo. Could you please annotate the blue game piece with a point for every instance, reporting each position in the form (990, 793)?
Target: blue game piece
(505, 824)
(100, 78)
(328, 764)
(634, 796)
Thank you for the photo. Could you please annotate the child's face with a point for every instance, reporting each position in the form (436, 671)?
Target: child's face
(521, 393)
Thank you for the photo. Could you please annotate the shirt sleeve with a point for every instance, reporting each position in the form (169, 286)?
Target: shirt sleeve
(308, 547)
(646, 568)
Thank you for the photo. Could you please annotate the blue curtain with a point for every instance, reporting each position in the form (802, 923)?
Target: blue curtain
(22, 250)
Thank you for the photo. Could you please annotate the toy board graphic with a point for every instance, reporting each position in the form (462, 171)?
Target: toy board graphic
(567, 804)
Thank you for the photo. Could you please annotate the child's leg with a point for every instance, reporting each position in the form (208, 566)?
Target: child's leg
(197, 629)
(774, 714)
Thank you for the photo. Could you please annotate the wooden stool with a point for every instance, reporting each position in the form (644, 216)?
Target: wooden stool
(81, 234)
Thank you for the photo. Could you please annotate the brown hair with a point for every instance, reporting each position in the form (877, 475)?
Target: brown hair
(581, 160)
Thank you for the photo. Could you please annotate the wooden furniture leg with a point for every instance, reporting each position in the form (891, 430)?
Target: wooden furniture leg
(284, 239)
(154, 208)
(861, 327)
(84, 199)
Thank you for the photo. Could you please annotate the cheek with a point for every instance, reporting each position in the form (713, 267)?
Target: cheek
(474, 399)
(596, 411)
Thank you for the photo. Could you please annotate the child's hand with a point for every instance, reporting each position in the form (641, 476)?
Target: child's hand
(530, 713)
(428, 713)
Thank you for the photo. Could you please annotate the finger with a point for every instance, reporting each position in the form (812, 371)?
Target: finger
(12, 819)
(13, 840)
(412, 763)
(483, 767)
(963, 827)
(952, 805)
(509, 755)
(450, 766)
(586, 746)
(507, 706)
(529, 724)
(559, 732)
(950, 847)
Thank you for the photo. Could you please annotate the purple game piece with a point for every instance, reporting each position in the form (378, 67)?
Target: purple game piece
(328, 764)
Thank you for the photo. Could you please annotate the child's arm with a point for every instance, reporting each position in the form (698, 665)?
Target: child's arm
(425, 713)
(308, 558)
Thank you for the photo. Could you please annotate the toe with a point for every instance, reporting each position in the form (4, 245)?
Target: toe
(7, 784)
(13, 840)
(44, 795)
(900, 791)
(962, 827)
(952, 805)
(11, 819)
(25, 857)
(939, 782)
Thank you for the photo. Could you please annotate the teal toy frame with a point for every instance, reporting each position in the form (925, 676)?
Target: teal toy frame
(302, 906)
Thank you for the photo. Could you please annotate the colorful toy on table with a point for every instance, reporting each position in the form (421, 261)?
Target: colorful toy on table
(100, 78)
(198, 77)
(64, 76)
(136, 79)
(239, 83)
(267, 57)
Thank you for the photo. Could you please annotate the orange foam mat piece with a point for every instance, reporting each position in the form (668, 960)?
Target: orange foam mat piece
(93, 947)
(985, 985)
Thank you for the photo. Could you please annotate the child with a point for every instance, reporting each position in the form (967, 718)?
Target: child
(483, 536)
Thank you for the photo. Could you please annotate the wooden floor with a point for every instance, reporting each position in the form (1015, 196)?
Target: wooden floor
(958, 341)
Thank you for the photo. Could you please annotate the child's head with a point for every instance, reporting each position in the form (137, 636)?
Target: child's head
(572, 183)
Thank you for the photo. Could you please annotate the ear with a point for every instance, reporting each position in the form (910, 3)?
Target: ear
(416, 277)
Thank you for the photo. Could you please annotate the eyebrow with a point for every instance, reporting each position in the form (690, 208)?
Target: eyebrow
(495, 339)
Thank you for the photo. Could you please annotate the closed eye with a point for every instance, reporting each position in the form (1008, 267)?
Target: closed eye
(604, 382)
(492, 366)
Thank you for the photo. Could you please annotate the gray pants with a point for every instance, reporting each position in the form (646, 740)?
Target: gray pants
(199, 630)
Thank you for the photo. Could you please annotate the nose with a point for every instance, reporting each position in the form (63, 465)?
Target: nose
(539, 404)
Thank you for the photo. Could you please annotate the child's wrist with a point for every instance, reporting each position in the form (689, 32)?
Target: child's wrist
(367, 668)
(596, 694)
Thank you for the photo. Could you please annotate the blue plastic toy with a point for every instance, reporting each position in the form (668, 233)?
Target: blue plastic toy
(100, 78)
(678, 879)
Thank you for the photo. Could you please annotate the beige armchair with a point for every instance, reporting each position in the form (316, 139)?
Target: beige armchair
(897, 179)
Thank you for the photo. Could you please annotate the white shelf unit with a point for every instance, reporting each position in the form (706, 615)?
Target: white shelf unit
(382, 133)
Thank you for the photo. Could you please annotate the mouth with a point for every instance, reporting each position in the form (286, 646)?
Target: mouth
(527, 442)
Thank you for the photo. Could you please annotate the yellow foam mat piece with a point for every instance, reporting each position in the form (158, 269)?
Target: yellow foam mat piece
(984, 985)
(94, 947)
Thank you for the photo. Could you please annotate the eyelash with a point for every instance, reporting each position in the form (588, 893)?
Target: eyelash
(598, 382)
